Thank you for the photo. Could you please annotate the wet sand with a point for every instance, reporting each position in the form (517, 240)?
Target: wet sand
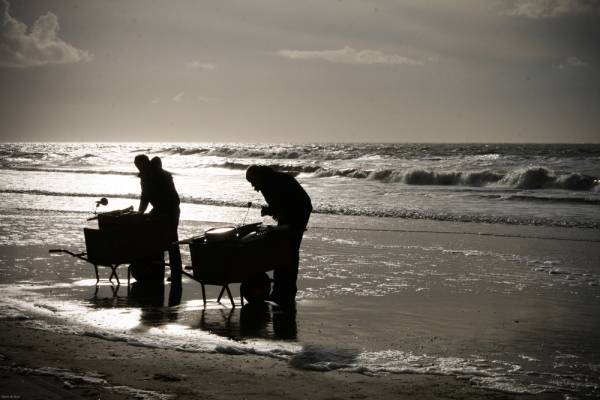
(44, 365)
(442, 290)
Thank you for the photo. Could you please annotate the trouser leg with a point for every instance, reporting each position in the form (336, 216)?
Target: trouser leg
(175, 262)
(285, 277)
(174, 253)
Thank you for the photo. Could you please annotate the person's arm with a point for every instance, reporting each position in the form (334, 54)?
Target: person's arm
(143, 199)
(143, 205)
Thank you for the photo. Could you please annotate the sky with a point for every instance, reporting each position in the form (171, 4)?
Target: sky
(300, 71)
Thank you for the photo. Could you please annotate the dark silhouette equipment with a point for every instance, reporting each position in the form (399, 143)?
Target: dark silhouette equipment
(102, 202)
(125, 237)
(243, 254)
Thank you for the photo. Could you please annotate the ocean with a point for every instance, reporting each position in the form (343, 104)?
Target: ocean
(525, 184)
(472, 260)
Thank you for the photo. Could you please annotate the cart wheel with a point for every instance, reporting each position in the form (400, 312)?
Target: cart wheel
(257, 288)
(150, 269)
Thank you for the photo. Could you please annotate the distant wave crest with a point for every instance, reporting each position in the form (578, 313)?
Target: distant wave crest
(348, 151)
(69, 170)
(277, 167)
(36, 192)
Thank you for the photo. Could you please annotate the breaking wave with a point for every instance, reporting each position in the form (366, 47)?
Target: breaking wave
(526, 178)
(543, 178)
(529, 178)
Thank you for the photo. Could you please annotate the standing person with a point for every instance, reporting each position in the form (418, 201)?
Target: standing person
(290, 206)
(159, 191)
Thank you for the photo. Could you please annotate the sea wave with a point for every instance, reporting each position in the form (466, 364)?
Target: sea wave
(524, 178)
(527, 178)
(399, 212)
(444, 216)
(543, 178)
(237, 151)
(362, 151)
(70, 153)
(67, 170)
(293, 169)
(37, 192)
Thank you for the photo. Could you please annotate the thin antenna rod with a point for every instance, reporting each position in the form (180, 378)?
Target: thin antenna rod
(247, 212)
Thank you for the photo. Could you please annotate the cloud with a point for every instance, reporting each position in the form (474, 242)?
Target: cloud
(573, 62)
(22, 47)
(348, 55)
(549, 8)
(178, 98)
(198, 65)
(155, 100)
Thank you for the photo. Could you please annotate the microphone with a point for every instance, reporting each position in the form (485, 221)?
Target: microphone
(103, 201)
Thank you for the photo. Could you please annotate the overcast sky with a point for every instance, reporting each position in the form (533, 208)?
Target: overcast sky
(300, 71)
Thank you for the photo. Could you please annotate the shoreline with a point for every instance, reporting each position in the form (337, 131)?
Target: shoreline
(46, 364)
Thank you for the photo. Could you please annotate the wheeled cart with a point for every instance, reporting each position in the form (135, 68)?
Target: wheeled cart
(239, 255)
(125, 237)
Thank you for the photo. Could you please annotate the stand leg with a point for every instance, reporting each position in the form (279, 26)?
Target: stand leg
(230, 296)
(97, 276)
(114, 273)
(221, 294)
(203, 294)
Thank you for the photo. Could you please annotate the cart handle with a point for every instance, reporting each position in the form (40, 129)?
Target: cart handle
(79, 255)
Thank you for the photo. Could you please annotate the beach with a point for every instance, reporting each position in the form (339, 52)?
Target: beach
(426, 271)
(424, 310)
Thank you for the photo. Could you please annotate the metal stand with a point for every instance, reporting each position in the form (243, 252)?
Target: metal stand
(83, 256)
(224, 287)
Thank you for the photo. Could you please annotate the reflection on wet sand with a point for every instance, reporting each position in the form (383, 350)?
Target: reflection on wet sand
(253, 321)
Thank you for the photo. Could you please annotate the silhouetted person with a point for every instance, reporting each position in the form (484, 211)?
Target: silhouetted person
(159, 190)
(290, 206)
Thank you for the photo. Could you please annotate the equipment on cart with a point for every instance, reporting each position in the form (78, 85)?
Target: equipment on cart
(239, 255)
(126, 237)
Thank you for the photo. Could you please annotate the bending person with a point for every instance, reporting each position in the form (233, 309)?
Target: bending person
(290, 206)
(159, 191)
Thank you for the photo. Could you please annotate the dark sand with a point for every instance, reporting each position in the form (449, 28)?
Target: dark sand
(125, 371)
